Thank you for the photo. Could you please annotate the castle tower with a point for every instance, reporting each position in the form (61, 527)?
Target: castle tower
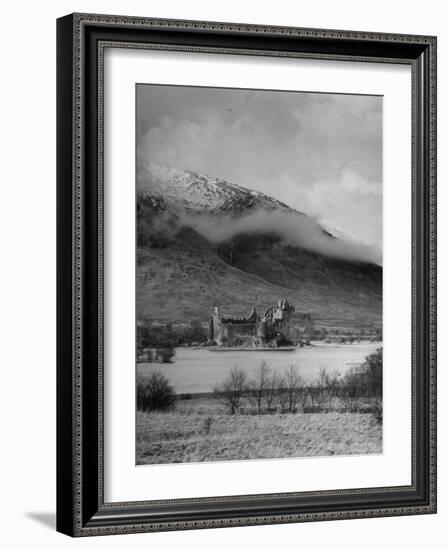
(217, 326)
(211, 332)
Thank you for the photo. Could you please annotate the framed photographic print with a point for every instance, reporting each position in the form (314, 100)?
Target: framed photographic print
(246, 274)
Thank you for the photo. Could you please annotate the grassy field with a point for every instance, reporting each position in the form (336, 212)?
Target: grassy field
(200, 430)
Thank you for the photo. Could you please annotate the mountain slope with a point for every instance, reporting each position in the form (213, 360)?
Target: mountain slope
(183, 272)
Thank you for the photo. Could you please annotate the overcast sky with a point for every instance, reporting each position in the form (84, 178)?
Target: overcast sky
(319, 153)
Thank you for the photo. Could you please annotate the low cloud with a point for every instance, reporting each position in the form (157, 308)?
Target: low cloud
(292, 228)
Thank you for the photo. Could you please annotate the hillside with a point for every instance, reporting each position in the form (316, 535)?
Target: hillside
(184, 267)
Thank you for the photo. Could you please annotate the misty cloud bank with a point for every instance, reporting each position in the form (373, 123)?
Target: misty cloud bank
(293, 229)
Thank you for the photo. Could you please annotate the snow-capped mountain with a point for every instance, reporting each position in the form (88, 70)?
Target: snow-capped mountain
(220, 210)
(199, 193)
(202, 240)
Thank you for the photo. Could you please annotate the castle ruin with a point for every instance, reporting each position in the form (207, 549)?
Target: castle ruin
(273, 329)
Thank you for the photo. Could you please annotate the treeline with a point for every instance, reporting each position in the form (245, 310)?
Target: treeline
(169, 335)
(345, 336)
(195, 334)
(163, 353)
(359, 389)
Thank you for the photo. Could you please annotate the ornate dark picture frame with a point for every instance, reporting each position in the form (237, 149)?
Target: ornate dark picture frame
(81, 509)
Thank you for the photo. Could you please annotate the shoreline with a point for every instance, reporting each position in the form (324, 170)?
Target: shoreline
(224, 349)
(312, 344)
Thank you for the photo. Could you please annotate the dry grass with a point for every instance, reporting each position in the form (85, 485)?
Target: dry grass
(200, 431)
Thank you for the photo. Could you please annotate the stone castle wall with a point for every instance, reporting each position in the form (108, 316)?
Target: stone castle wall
(255, 331)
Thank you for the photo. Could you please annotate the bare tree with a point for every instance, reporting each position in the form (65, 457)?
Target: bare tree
(232, 390)
(272, 391)
(320, 391)
(292, 390)
(352, 389)
(333, 387)
(258, 387)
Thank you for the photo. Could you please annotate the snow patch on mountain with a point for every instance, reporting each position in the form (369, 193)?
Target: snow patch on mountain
(220, 210)
(200, 192)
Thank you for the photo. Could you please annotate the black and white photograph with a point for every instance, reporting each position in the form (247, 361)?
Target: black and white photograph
(225, 220)
(258, 274)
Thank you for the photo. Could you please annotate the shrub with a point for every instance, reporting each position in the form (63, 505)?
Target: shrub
(353, 388)
(377, 410)
(165, 351)
(154, 393)
(207, 425)
(373, 369)
(373, 372)
(364, 381)
(165, 354)
(144, 355)
(143, 337)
